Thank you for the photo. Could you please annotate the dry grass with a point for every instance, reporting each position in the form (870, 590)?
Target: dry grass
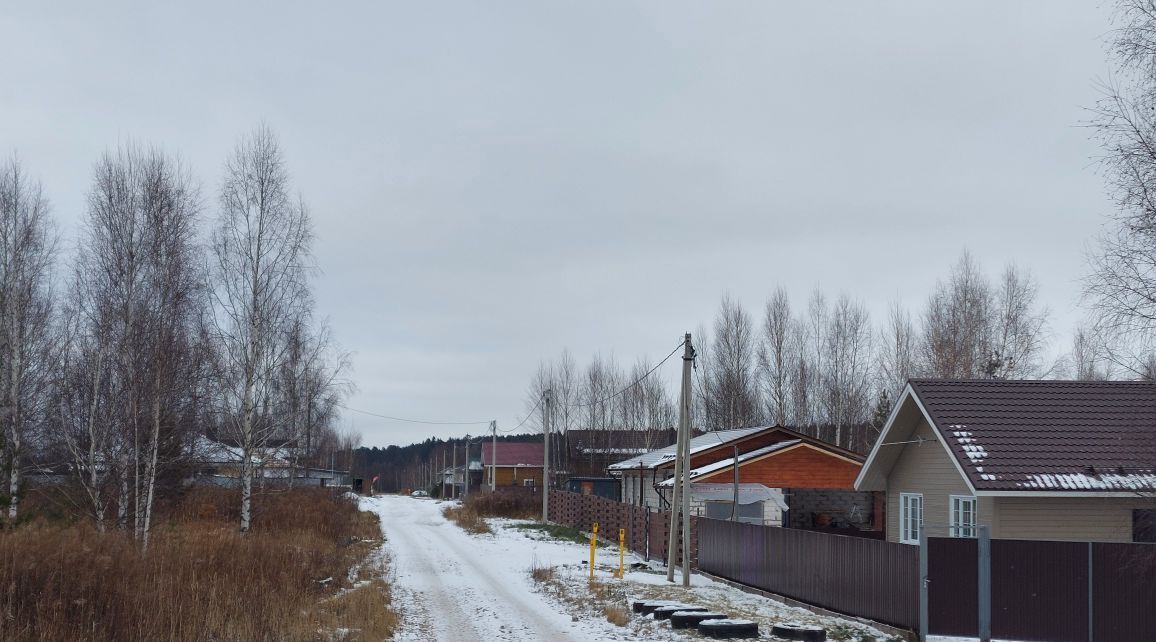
(616, 615)
(542, 573)
(513, 505)
(199, 579)
(467, 518)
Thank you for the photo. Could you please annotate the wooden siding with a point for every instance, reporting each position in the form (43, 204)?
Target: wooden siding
(927, 468)
(801, 466)
(516, 476)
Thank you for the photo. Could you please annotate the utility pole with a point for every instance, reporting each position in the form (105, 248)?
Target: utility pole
(684, 419)
(680, 502)
(494, 456)
(466, 473)
(454, 472)
(546, 459)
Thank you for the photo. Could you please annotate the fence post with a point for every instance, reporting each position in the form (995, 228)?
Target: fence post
(647, 546)
(1091, 600)
(984, 570)
(923, 585)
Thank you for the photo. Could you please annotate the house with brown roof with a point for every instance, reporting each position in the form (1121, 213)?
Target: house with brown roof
(1046, 460)
(781, 474)
(511, 463)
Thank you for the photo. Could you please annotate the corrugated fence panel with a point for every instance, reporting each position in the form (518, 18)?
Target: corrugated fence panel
(1039, 590)
(953, 586)
(864, 577)
(1124, 584)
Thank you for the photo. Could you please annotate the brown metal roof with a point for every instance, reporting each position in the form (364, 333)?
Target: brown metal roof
(514, 453)
(1047, 435)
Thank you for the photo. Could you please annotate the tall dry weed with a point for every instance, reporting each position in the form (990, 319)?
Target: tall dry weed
(199, 579)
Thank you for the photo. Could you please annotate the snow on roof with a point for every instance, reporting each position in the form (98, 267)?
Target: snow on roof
(1080, 481)
(655, 458)
(1053, 436)
(727, 463)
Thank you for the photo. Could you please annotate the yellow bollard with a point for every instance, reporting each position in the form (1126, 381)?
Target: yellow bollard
(593, 544)
(621, 553)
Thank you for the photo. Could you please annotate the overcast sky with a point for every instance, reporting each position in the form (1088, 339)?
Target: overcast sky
(493, 182)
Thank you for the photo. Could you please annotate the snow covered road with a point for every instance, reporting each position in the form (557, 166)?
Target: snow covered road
(451, 586)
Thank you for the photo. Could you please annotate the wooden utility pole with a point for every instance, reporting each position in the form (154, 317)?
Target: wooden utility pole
(546, 458)
(684, 419)
(680, 500)
(465, 474)
(453, 471)
(494, 456)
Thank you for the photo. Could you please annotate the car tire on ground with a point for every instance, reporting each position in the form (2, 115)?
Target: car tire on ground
(729, 629)
(804, 632)
(664, 612)
(691, 619)
(647, 606)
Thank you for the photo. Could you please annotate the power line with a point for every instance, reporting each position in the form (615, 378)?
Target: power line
(528, 415)
(416, 421)
(636, 382)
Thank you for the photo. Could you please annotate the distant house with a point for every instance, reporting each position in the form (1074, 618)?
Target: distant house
(590, 452)
(512, 463)
(1048, 460)
(779, 470)
(217, 461)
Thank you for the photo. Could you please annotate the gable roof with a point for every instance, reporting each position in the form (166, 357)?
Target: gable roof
(719, 439)
(513, 453)
(730, 461)
(656, 458)
(1088, 437)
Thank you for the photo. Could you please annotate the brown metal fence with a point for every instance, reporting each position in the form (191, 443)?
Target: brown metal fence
(1041, 590)
(863, 577)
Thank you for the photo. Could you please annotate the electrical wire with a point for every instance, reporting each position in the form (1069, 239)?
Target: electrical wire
(416, 421)
(638, 381)
(528, 415)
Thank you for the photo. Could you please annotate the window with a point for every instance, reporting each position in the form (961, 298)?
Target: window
(962, 522)
(910, 517)
(527, 482)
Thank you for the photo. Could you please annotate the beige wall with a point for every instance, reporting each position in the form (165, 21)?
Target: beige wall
(927, 468)
(1097, 519)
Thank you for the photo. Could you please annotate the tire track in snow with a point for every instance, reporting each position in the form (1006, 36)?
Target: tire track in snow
(448, 591)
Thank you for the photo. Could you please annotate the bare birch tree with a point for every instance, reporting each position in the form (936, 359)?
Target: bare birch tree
(1121, 286)
(957, 341)
(731, 387)
(897, 351)
(775, 356)
(1019, 327)
(173, 302)
(27, 249)
(847, 377)
(260, 268)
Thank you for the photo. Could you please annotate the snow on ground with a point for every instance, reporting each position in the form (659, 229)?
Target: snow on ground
(450, 585)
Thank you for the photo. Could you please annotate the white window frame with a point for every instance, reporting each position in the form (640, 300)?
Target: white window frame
(956, 526)
(910, 525)
(529, 481)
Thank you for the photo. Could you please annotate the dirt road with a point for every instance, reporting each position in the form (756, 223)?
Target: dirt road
(452, 586)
